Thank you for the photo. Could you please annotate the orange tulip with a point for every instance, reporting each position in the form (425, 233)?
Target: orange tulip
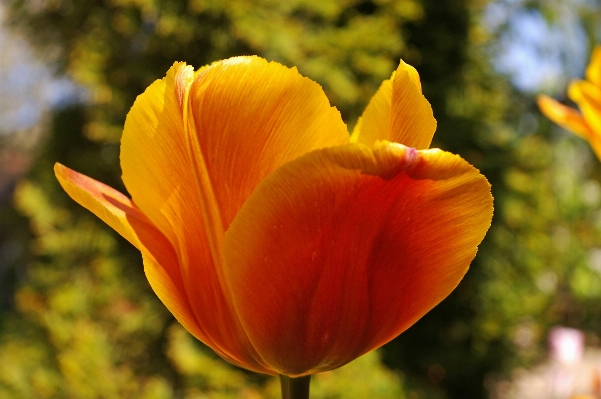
(274, 238)
(587, 95)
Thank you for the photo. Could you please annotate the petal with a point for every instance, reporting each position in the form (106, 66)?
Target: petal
(588, 98)
(153, 150)
(247, 117)
(251, 116)
(157, 171)
(593, 71)
(115, 209)
(572, 120)
(338, 252)
(566, 117)
(398, 112)
(412, 120)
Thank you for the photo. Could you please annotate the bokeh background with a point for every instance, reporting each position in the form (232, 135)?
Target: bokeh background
(77, 316)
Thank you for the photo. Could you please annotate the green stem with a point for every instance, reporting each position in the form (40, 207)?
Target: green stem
(295, 388)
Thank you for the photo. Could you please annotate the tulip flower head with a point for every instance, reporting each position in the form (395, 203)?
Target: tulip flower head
(274, 237)
(587, 95)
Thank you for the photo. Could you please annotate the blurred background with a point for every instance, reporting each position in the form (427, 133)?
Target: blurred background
(77, 316)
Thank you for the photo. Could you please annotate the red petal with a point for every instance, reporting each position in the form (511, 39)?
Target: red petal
(338, 252)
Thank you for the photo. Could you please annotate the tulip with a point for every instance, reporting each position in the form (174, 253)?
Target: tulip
(587, 95)
(272, 236)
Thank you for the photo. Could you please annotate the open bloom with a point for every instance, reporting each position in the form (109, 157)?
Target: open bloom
(587, 95)
(274, 238)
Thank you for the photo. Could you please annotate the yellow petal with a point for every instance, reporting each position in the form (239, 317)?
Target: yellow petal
(593, 71)
(154, 157)
(398, 112)
(588, 98)
(566, 117)
(374, 123)
(338, 252)
(412, 120)
(171, 293)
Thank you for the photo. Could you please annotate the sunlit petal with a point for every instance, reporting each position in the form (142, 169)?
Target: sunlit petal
(588, 98)
(564, 116)
(157, 171)
(398, 112)
(153, 150)
(339, 251)
(412, 121)
(374, 123)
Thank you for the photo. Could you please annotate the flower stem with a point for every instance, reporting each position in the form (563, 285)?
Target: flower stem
(295, 388)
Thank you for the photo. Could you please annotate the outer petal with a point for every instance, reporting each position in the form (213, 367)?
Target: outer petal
(338, 252)
(116, 210)
(398, 112)
(157, 172)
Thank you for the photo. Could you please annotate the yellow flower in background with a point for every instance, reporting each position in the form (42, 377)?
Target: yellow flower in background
(272, 236)
(587, 95)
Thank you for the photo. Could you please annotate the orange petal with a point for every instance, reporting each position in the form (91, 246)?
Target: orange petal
(593, 71)
(566, 117)
(398, 112)
(338, 252)
(157, 171)
(247, 117)
(116, 210)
